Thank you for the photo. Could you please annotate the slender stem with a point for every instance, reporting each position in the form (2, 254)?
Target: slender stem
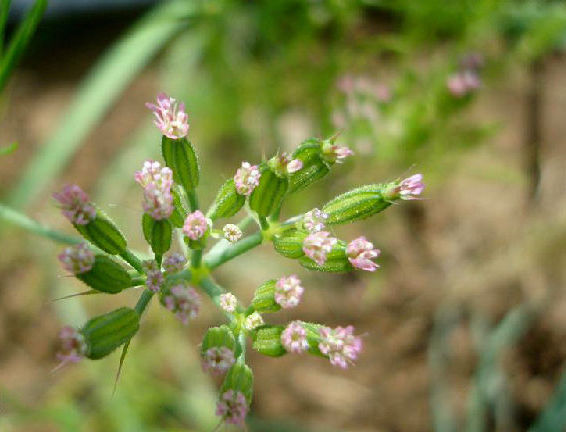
(242, 342)
(137, 281)
(225, 253)
(143, 301)
(212, 289)
(193, 200)
(133, 260)
(244, 223)
(263, 223)
(196, 258)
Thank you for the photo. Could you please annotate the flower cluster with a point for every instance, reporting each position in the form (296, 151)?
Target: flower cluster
(156, 182)
(247, 178)
(315, 220)
(76, 205)
(361, 253)
(72, 346)
(196, 225)
(318, 245)
(232, 233)
(228, 302)
(340, 345)
(184, 301)
(218, 360)
(170, 117)
(154, 275)
(288, 291)
(77, 259)
(467, 79)
(232, 407)
(294, 338)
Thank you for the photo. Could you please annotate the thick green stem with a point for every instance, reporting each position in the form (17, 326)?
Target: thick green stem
(263, 223)
(242, 343)
(193, 200)
(212, 289)
(133, 260)
(143, 301)
(196, 258)
(137, 281)
(223, 254)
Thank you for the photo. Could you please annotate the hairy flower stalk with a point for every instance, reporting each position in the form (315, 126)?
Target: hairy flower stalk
(288, 291)
(318, 245)
(76, 205)
(170, 117)
(340, 345)
(247, 178)
(361, 253)
(77, 259)
(294, 338)
(156, 182)
(232, 407)
(218, 360)
(184, 301)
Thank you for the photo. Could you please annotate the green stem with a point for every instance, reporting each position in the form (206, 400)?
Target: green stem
(196, 258)
(224, 253)
(263, 223)
(242, 342)
(212, 289)
(133, 260)
(244, 223)
(137, 281)
(193, 200)
(143, 301)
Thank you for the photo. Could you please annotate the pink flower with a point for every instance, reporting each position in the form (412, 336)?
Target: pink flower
(247, 178)
(314, 221)
(72, 346)
(156, 182)
(318, 245)
(361, 253)
(288, 291)
(76, 205)
(232, 407)
(77, 259)
(170, 117)
(184, 301)
(282, 164)
(340, 345)
(411, 187)
(294, 338)
(462, 83)
(174, 262)
(218, 359)
(195, 225)
(294, 166)
(334, 153)
(228, 302)
(232, 233)
(253, 321)
(152, 172)
(154, 275)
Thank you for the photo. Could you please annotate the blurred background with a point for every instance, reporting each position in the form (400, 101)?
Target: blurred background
(465, 323)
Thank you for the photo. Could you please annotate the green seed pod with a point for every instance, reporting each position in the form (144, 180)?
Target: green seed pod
(102, 233)
(290, 243)
(157, 233)
(268, 195)
(355, 205)
(314, 167)
(106, 275)
(180, 156)
(228, 201)
(267, 341)
(336, 261)
(239, 378)
(107, 332)
(180, 211)
(264, 300)
(218, 337)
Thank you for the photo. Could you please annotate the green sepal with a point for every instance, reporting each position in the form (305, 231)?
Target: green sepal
(269, 193)
(355, 205)
(239, 378)
(102, 233)
(336, 261)
(107, 276)
(228, 201)
(267, 341)
(314, 167)
(105, 333)
(180, 211)
(264, 299)
(290, 243)
(180, 156)
(218, 337)
(157, 233)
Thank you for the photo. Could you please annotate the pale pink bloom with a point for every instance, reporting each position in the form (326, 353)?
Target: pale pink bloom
(246, 178)
(228, 302)
(218, 359)
(411, 187)
(340, 345)
(294, 338)
(196, 225)
(184, 301)
(154, 275)
(174, 262)
(463, 83)
(335, 153)
(346, 84)
(253, 321)
(152, 172)
(72, 346)
(288, 291)
(156, 182)
(170, 117)
(314, 220)
(76, 205)
(77, 259)
(361, 253)
(232, 233)
(232, 407)
(318, 245)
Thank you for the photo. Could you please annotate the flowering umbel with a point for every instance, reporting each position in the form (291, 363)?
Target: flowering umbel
(170, 116)
(288, 291)
(76, 205)
(156, 182)
(232, 233)
(218, 359)
(184, 301)
(361, 254)
(195, 225)
(314, 220)
(246, 178)
(340, 345)
(294, 338)
(253, 321)
(232, 407)
(318, 245)
(72, 346)
(174, 262)
(77, 259)
(228, 302)
(154, 275)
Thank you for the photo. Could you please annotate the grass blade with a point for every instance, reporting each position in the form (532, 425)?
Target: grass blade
(4, 10)
(553, 417)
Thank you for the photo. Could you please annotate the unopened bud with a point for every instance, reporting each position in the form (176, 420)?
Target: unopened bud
(268, 195)
(181, 157)
(106, 275)
(267, 341)
(229, 200)
(357, 204)
(290, 243)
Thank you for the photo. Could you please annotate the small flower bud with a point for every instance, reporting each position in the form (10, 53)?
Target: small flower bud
(232, 407)
(228, 302)
(288, 291)
(170, 117)
(340, 345)
(232, 233)
(228, 201)
(76, 205)
(247, 178)
(156, 182)
(360, 253)
(407, 189)
(77, 259)
(267, 341)
(463, 83)
(333, 153)
(72, 346)
(196, 225)
(174, 262)
(183, 300)
(294, 338)
(154, 275)
(290, 243)
(318, 245)
(314, 220)
(284, 164)
(106, 275)
(268, 195)
(218, 360)
(253, 321)
(357, 204)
